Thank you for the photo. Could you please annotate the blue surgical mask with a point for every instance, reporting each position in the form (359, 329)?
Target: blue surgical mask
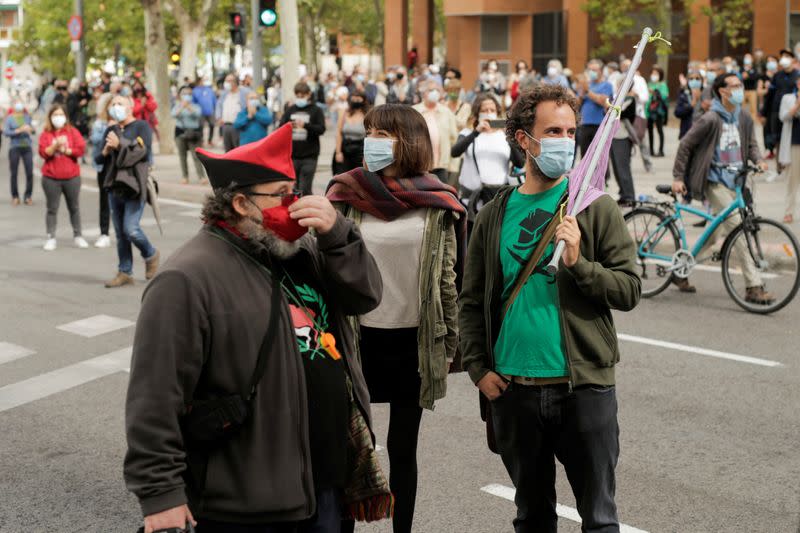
(593, 75)
(301, 102)
(711, 76)
(125, 91)
(19, 107)
(118, 112)
(737, 96)
(556, 156)
(772, 65)
(186, 97)
(378, 153)
(695, 84)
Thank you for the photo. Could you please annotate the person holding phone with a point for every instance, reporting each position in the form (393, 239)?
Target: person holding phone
(487, 154)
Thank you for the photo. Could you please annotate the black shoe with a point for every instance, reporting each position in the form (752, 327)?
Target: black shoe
(684, 285)
(701, 224)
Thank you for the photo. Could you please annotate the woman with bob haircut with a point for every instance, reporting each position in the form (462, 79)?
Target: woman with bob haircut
(409, 220)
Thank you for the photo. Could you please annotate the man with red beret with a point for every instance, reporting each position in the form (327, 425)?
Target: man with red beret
(246, 411)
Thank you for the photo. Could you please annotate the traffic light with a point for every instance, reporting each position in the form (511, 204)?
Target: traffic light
(267, 13)
(175, 57)
(238, 31)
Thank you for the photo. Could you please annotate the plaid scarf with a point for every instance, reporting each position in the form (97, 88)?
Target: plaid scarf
(367, 496)
(388, 198)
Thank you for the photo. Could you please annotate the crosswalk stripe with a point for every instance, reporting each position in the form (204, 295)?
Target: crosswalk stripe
(11, 352)
(96, 325)
(570, 513)
(65, 378)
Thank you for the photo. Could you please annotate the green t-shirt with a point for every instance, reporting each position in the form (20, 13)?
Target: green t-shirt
(530, 342)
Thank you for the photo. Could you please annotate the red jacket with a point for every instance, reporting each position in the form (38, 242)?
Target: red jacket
(60, 166)
(146, 110)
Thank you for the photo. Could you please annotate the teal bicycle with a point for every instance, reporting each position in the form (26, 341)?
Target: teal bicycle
(757, 248)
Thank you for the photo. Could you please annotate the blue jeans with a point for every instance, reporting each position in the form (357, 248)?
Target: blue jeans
(126, 215)
(326, 520)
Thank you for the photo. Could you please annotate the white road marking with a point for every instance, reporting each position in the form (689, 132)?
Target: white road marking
(95, 325)
(165, 201)
(699, 351)
(507, 493)
(736, 271)
(10, 352)
(71, 376)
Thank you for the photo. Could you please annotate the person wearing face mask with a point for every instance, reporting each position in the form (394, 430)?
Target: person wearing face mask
(491, 80)
(402, 90)
(750, 78)
(232, 100)
(125, 158)
(256, 310)
(254, 121)
(765, 104)
(412, 223)
(708, 160)
(789, 154)
(308, 123)
(783, 83)
(350, 135)
(18, 127)
(204, 96)
(594, 95)
(144, 106)
(657, 109)
(487, 156)
(543, 348)
(713, 70)
(555, 74)
(97, 138)
(522, 72)
(688, 100)
(441, 127)
(188, 133)
(60, 146)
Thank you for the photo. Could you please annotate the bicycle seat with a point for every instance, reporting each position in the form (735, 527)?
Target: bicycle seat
(664, 189)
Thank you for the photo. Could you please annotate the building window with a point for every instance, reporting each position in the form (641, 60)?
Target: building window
(794, 29)
(495, 34)
(548, 39)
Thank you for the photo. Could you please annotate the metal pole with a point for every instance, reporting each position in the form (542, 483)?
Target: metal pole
(625, 88)
(258, 54)
(80, 54)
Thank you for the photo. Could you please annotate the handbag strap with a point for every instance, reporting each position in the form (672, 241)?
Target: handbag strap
(274, 317)
(536, 256)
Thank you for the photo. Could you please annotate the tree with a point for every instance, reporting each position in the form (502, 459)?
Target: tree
(734, 18)
(155, 42)
(44, 37)
(192, 18)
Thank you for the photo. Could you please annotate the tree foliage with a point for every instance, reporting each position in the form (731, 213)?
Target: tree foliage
(734, 18)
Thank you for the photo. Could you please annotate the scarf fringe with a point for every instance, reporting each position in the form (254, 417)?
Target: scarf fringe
(371, 509)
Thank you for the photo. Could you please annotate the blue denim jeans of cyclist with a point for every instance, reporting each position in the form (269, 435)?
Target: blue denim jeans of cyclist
(534, 426)
(127, 216)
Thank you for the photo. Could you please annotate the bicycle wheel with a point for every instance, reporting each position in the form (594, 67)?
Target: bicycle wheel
(643, 225)
(765, 252)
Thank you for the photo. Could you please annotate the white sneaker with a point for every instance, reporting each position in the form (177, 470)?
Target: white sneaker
(80, 242)
(49, 245)
(102, 242)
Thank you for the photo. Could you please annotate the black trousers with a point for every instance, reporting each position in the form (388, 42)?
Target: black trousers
(658, 122)
(15, 155)
(304, 170)
(105, 211)
(621, 162)
(534, 426)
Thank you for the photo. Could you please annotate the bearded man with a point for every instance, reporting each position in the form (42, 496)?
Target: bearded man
(245, 408)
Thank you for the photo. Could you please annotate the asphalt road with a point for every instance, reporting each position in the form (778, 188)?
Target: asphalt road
(709, 442)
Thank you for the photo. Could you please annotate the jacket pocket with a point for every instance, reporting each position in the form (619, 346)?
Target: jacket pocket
(439, 366)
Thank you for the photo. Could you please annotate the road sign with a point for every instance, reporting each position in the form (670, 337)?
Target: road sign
(75, 27)
(8, 73)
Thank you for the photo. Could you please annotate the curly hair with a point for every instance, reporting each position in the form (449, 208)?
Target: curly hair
(218, 206)
(522, 115)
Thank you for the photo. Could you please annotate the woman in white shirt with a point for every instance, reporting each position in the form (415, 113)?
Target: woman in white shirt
(487, 155)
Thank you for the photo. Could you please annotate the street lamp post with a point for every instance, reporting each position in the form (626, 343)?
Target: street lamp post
(258, 54)
(80, 56)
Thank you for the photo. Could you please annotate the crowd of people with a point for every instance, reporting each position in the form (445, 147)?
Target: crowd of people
(418, 249)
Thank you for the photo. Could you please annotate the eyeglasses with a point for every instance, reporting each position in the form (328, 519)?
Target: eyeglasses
(277, 194)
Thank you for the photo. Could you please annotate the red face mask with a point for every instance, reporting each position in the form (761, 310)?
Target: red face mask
(278, 221)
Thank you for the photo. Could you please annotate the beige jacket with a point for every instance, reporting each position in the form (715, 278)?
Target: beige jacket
(448, 133)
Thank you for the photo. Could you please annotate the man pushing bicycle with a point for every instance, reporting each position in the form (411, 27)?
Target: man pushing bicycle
(709, 158)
